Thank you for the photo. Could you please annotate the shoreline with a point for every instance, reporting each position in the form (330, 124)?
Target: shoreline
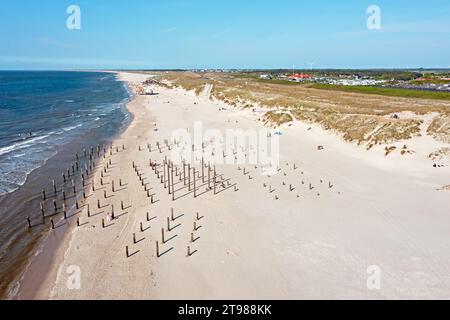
(25, 283)
(56, 248)
(302, 246)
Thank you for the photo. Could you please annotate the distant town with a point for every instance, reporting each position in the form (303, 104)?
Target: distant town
(429, 80)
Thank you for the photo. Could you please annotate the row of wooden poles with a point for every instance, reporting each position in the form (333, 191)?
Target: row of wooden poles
(165, 235)
(158, 146)
(90, 165)
(291, 186)
(188, 175)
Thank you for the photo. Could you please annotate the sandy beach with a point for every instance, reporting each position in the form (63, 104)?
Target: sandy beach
(311, 231)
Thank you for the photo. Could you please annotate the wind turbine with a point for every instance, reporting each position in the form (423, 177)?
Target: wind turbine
(311, 65)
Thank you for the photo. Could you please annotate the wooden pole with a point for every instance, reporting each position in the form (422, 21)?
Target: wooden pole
(195, 189)
(165, 175)
(215, 182)
(173, 184)
(168, 224)
(203, 170)
(209, 176)
(163, 238)
(189, 174)
(169, 175)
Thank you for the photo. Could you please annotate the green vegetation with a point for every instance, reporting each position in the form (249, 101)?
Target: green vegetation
(277, 118)
(429, 81)
(392, 92)
(284, 82)
(366, 118)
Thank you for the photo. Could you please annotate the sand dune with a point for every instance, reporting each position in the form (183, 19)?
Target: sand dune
(310, 231)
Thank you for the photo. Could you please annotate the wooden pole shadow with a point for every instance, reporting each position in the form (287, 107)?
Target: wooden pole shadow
(184, 195)
(171, 228)
(160, 254)
(191, 253)
(105, 226)
(149, 219)
(196, 227)
(132, 254)
(198, 217)
(96, 214)
(135, 241)
(83, 224)
(173, 218)
(193, 238)
(227, 188)
(163, 237)
(122, 214)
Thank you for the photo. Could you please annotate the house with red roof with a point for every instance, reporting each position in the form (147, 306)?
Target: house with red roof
(300, 77)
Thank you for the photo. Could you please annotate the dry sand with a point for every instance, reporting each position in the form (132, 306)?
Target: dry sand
(380, 211)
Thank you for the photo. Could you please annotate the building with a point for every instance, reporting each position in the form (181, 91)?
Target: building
(300, 77)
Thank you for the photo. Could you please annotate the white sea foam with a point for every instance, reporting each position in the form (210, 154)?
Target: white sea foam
(21, 145)
(67, 129)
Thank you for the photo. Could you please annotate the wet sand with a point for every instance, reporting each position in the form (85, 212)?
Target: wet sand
(19, 246)
(311, 231)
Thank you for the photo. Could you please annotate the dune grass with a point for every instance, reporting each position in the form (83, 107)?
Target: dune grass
(392, 92)
(364, 118)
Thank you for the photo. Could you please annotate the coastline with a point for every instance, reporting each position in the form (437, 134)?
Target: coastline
(305, 247)
(59, 242)
(39, 256)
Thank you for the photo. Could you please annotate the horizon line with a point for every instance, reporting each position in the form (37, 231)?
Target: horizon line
(221, 69)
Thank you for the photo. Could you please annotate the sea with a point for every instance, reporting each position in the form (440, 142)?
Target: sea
(45, 118)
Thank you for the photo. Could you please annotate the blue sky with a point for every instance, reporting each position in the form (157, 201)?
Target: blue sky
(224, 34)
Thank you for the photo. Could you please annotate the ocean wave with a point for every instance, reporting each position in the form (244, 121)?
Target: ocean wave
(67, 129)
(15, 170)
(21, 145)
